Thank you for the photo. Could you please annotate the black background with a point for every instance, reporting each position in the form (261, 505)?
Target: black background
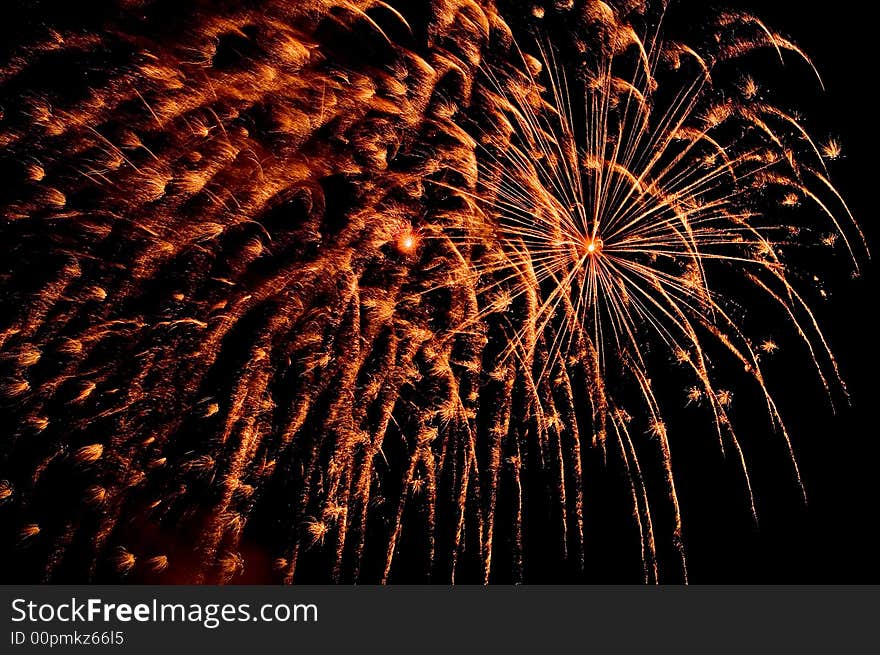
(830, 539)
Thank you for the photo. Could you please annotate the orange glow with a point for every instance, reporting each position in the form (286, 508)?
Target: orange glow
(238, 344)
(407, 241)
(592, 246)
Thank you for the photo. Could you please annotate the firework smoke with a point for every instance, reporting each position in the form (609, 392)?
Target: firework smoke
(305, 290)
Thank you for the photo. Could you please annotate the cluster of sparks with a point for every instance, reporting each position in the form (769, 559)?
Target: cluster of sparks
(289, 301)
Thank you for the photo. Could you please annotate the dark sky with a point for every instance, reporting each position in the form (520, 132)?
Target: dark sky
(832, 539)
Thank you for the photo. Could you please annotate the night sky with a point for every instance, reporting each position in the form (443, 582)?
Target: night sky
(831, 539)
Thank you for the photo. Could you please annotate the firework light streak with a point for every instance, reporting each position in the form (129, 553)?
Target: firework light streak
(342, 302)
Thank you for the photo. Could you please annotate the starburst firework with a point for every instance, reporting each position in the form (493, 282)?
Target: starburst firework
(323, 286)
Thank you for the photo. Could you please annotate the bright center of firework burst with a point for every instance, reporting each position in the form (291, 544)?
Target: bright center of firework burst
(407, 242)
(592, 246)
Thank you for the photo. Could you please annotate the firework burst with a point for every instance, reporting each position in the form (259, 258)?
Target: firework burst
(339, 287)
(617, 209)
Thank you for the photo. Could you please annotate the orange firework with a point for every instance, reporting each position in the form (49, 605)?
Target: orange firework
(336, 289)
(624, 232)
